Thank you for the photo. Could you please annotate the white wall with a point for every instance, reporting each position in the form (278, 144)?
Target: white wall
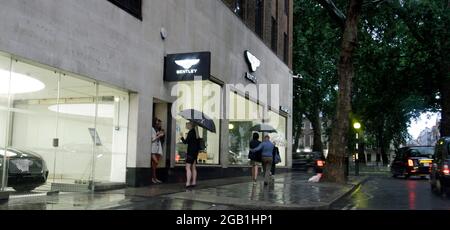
(99, 40)
(34, 128)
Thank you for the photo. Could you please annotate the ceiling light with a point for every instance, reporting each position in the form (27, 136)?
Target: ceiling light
(88, 110)
(20, 83)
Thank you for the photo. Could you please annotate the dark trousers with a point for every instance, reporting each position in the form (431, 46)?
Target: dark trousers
(272, 170)
(267, 165)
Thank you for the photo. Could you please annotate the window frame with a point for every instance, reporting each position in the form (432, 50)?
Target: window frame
(286, 48)
(274, 35)
(286, 7)
(259, 18)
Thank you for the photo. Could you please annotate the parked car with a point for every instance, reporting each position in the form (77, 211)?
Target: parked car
(413, 161)
(308, 161)
(26, 170)
(440, 172)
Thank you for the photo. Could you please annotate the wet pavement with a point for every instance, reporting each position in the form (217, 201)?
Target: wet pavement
(382, 192)
(288, 191)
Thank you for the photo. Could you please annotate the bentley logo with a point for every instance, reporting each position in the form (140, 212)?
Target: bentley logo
(254, 63)
(187, 63)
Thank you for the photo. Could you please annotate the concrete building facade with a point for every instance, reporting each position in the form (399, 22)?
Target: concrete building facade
(123, 51)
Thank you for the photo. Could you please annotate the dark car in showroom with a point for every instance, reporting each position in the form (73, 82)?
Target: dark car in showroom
(308, 161)
(440, 172)
(413, 161)
(26, 170)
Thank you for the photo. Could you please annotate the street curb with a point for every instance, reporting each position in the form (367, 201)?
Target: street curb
(355, 187)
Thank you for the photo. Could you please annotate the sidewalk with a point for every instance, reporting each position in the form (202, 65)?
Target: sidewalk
(289, 191)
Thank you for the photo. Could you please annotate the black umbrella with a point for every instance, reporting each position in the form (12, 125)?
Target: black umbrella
(199, 118)
(265, 128)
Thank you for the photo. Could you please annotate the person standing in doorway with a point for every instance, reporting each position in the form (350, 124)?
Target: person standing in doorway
(193, 147)
(160, 129)
(255, 157)
(267, 157)
(156, 149)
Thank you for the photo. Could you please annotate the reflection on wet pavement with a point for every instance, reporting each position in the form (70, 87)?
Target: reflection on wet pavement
(383, 192)
(290, 190)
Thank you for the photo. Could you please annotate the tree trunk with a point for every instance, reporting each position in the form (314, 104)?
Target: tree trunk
(335, 169)
(379, 144)
(384, 156)
(317, 131)
(382, 147)
(361, 152)
(297, 134)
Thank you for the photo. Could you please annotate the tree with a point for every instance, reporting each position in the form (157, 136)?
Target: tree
(387, 91)
(428, 22)
(335, 169)
(314, 58)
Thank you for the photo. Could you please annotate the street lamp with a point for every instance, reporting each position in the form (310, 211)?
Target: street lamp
(357, 127)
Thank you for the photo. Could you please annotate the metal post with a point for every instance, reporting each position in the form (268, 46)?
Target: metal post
(357, 155)
(94, 147)
(5, 163)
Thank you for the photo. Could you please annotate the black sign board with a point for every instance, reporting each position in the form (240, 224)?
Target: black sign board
(251, 78)
(187, 66)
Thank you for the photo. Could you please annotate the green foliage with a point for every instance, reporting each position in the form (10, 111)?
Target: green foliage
(403, 44)
(316, 50)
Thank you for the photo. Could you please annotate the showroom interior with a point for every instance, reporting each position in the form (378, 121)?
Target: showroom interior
(78, 126)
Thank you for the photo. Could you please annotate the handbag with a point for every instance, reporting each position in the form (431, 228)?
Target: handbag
(277, 158)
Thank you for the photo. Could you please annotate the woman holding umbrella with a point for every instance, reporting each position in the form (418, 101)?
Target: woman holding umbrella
(193, 147)
(195, 118)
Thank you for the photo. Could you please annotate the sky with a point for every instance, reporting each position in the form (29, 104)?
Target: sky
(425, 120)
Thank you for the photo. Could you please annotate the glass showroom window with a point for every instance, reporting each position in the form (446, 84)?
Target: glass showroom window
(5, 69)
(63, 128)
(243, 115)
(279, 123)
(204, 96)
(92, 131)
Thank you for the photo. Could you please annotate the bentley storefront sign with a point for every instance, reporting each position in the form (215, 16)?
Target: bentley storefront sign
(253, 64)
(187, 66)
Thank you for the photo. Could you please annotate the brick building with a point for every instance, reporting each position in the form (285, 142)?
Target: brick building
(271, 20)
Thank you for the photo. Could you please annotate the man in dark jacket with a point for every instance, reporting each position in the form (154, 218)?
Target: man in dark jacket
(267, 157)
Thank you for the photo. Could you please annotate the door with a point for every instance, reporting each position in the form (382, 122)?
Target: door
(161, 111)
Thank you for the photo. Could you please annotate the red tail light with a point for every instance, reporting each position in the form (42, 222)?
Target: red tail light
(410, 163)
(320, 163)
(446, 170)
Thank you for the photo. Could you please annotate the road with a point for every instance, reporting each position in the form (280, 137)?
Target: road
(382, 192)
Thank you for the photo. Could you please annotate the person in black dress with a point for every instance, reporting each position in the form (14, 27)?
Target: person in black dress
(255, 158)
(193, 147)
